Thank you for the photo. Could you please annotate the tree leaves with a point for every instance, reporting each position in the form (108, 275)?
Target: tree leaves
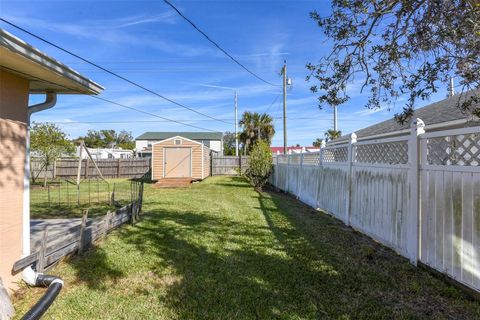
(49, 142)
(398, 47)
(108, 139)
(332, 134)
(256, 127)
(259, 164)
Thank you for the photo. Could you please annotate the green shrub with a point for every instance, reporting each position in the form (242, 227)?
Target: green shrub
(259, 165)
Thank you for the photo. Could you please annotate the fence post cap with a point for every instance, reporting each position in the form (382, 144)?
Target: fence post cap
(353, 137)
(418, 125)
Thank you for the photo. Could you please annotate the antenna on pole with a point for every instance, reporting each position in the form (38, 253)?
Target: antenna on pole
(451, 89)
(335, 126)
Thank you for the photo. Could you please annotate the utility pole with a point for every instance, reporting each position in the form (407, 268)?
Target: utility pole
(236, 124)
(284, 71)
(335, 127)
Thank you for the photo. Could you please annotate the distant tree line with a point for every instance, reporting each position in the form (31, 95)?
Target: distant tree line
(108, 139)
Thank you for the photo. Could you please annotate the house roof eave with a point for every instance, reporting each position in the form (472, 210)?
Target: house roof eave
(45, 73)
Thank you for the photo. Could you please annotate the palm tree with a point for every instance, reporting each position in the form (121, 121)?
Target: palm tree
(332, 134)
(318, 142)
(256, 127)
(267, 130)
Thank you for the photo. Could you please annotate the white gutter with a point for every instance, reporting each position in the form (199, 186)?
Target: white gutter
(50, 101)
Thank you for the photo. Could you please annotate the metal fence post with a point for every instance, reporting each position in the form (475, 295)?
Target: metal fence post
(112, 198)
(89, 196)
(140, 197)
(87, 164)
(350, 161)
(417, 128)
(81, 238)
(240, 163)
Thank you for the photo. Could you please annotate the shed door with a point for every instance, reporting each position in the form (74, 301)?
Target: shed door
(178, 162)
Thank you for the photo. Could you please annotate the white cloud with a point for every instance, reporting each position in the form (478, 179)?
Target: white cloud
(113, 32)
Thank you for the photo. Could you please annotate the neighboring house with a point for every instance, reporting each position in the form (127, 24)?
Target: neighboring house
(107, 153)
(290, 150)
(179, 157)
(444, 114)
(97, 153)
(212, 140)
(24, 70)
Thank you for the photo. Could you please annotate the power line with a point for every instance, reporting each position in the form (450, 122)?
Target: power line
(189, 120)
(110, 72)
(152, 114)
(273, 102)
(217, 45)
(112, 102)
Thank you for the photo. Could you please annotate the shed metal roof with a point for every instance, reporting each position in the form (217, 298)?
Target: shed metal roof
(438, 112)
(151, 135)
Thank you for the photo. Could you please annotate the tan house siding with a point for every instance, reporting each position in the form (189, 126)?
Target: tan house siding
(158, 154)
(14, 93)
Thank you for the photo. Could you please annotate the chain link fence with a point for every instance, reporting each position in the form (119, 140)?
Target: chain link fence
(63, 198)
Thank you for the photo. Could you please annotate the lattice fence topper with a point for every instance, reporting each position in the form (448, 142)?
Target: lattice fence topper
(339, 154)
(456, 150)
(386, 153)
(311, 158)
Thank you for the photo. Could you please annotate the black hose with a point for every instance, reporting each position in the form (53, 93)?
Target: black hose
(54, 287)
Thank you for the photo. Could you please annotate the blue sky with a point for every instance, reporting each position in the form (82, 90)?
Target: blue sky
(147, 42)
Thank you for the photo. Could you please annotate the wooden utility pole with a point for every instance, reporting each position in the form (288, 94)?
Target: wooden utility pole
(284, 71)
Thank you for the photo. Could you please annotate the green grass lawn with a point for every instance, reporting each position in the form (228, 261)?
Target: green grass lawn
(220, 250)
(59, 200)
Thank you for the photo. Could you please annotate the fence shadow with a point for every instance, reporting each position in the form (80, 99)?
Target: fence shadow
(244, 280)
(95, 270)
(284, 261)
(364, 268)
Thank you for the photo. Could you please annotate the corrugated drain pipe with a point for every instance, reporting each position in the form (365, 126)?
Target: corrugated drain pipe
(31, 277)
(54, 285)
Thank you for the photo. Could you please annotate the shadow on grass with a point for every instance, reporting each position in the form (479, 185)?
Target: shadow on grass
(93, 269)
(243, 280)
(281, 260)
(373, 281)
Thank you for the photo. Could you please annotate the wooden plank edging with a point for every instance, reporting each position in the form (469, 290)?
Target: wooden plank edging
(56, 247)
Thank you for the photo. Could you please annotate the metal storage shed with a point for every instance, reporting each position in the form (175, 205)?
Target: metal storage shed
(179, 157)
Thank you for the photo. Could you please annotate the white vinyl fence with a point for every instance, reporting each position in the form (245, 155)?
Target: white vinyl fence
(418, 193)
